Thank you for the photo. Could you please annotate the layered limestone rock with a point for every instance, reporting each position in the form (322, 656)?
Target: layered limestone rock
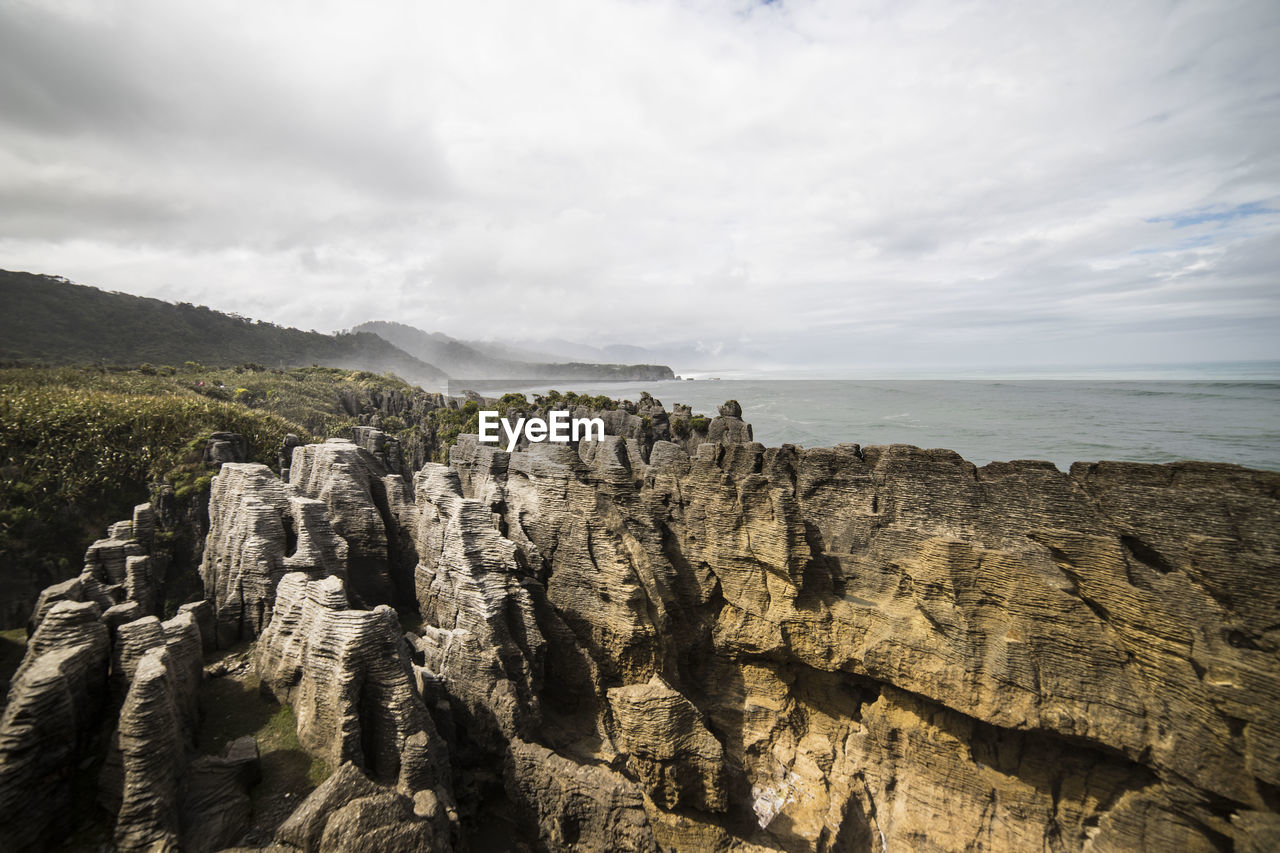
(153, 753)
(53, 702)
(168, 798)
(346, 675)
(223, 447)
(481, 633)
(892, 647)
(572, 806)
(367, 506)
(667, 746)
(385, 448)
(216, 806)
(701, 643)
(117, 569)
(349, 812)
(259, 530)
(80, 662)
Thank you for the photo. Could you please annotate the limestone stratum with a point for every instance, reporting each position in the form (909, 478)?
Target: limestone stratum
(667, 638)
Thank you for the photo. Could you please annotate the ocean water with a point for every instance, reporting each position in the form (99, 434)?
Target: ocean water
(1062, 421)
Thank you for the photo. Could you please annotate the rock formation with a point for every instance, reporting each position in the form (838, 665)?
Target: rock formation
(667, 746)
(889, 645)
(365, 502)
(569, 805)
(258, 532)
(53, 701)
(223, 447)
(346, 674)
(81, 665)
(350, 812)
(676, 638)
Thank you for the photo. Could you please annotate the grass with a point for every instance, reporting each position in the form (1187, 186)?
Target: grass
(235, 706)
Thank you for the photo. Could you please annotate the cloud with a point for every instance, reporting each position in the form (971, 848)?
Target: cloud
(898, 183)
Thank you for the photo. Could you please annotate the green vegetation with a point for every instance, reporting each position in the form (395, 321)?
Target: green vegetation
(50, 320)
(236, 706)
(699, 423)
(570, 401)
(79, 446)
(445, 425)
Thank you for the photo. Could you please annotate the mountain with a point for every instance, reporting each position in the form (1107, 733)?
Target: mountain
(467, 360)
(690, 356)
(49, 319)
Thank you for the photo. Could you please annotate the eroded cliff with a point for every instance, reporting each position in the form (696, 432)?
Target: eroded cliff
(848, 648)
(660, 641)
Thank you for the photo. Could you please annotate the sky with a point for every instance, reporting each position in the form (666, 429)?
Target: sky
(824, 185)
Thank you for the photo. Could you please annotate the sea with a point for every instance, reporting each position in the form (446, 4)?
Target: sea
(984, 420)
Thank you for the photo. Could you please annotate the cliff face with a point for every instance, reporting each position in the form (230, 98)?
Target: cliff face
(850, 649)
(628, 645)
(894, 647)
(104, 683)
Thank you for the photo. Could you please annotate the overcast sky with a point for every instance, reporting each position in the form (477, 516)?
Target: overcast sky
(826, 183)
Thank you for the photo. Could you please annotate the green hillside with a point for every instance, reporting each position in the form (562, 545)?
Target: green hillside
(52, 321)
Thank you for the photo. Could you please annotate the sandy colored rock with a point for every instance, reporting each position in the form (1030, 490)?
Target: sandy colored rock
(667, 746)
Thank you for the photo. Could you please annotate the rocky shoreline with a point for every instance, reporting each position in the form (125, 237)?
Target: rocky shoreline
(676, 638)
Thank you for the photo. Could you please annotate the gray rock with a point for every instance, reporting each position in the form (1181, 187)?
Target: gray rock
(575, 807)
(482, 635)
(305, 827)
(382, 446)
(285, 454)
(144, 525)
(349, 682)
(382, 822)
(216, 808)
(66, 624)
(224, 447)
(153, 752)
(53, 704)
(245, 549)
(668, 747)
(68, 590)
(105, 558)
(731, 409)
(364, 503)
(259, 530)
(202, 614)
(132, 641)
(121, 614)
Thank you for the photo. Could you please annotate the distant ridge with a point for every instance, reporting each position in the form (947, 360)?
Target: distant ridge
(47, 319)
(465, 360)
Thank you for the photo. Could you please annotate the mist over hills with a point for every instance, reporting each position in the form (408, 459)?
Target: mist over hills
(690, 355)
(48, 319)
(471, 360)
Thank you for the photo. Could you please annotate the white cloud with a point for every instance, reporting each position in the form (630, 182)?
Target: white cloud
(897, 182)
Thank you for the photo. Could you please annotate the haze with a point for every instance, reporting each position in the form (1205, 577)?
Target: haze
(822, 185)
